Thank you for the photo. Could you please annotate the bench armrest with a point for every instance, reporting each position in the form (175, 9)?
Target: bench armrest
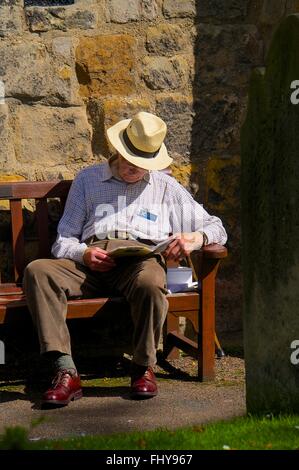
(214, 251)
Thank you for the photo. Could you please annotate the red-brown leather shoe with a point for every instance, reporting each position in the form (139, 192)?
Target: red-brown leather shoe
(143, 382)
(65, 388)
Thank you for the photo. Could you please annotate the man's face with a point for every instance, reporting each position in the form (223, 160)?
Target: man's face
(128, 172)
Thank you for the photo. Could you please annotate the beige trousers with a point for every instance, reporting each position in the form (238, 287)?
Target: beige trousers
(48, 283)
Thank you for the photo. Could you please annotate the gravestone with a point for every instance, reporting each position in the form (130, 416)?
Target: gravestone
(48, 3)
(270, 226)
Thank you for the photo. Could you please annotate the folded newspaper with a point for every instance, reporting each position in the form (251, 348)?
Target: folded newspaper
(140, 250)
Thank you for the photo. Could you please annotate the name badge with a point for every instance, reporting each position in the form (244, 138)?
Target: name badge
(147, 215)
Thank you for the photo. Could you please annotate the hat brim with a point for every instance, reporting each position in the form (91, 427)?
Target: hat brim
(115, 137)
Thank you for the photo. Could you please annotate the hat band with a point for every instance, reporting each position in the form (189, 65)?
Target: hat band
(135, 150)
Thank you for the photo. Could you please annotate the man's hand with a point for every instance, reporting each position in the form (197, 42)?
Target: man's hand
(97, 259)
(182, 246)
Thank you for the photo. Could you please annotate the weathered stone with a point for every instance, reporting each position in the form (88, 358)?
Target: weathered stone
(179, 8)
(210, 124)
(12, 2)
(6, 143)
(177, 111)
(123, 12)
(105, 114)
(131, 10)
(10, 178)
(32, 71)
(106, 65)
(292, 6)
(161, 73)
(11, 20)
(226, 54)
(165, 39)
(222, 9)
(149, 10)
(224, 199)
(182, 172)
(4, 204)
(272, 12)
(2, 92)
(51, 136)
(217, 122)
(48, 2)
(114, 111)
(81, 19)
(270, 229)
(43, 19)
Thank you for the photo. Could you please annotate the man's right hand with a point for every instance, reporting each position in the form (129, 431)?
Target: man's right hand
(97, 259)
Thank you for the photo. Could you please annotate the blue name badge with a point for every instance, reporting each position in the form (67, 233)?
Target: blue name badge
(147, 215)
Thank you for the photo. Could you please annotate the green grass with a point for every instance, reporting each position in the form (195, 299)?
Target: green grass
(243, 433)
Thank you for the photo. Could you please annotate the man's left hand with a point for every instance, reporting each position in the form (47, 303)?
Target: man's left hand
(182, 246)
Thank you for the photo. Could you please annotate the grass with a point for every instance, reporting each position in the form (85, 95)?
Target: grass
(248, 433)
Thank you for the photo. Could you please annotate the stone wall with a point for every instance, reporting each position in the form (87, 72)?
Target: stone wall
(71, 71)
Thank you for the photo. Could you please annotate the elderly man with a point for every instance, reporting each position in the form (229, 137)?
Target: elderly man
(124, 201)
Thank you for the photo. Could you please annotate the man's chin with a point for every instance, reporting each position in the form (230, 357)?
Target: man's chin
(131, 180)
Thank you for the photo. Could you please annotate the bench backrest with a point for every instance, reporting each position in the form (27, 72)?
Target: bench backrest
(40, 191)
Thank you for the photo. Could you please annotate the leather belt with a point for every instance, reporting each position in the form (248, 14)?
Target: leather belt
(94, 238)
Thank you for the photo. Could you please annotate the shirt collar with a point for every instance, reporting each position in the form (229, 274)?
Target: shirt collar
(107, 173)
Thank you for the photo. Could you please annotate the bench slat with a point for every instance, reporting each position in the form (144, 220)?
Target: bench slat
(86, 308)
(18, 248)
(35, 189)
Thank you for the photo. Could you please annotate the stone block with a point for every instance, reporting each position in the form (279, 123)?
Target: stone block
(44, 19)
(131, 10)
(11, 20)
(226, 54)
(165, 39)
(114, 110)
(34, 72)
(4, 204)
(177, 111)
(161, 73)
(123, 12)
(6, 142)
(104, 114)
(149, 10)
(47, 136)
(106, 65)
(179, 8)
(11, 3)
(292, 6)
(182, 172)
(10, 178)
(217, 122)
(223, 9)
(46, 3)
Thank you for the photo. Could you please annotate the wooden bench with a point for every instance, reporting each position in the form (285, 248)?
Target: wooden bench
(199, 308)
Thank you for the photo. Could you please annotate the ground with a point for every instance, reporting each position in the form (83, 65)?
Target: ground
(106, 407)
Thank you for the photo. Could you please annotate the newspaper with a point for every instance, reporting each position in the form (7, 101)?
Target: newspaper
(140, 250)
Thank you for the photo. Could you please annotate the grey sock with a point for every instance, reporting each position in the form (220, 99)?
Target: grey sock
(61, 361)
(65, 361)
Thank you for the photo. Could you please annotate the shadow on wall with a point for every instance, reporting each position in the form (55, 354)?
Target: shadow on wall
(226, 49)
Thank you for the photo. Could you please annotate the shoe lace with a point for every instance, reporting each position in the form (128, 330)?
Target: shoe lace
(61, 378)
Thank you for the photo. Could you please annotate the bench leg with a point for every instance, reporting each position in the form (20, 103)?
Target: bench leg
(172, 323)
(206, 335)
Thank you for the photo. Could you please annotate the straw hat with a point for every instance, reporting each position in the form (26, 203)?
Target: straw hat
(140, 141)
